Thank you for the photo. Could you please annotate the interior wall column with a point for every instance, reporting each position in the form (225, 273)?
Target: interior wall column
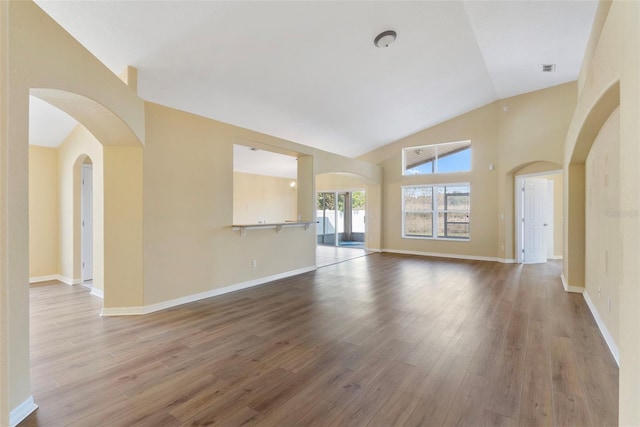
(14, 229)
(306, 189)
(4, 249)
(123, 217)
(373, 235)
(630, 217)
(574, 225)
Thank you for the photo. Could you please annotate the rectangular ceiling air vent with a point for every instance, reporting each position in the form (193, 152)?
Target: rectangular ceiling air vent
(548, 68)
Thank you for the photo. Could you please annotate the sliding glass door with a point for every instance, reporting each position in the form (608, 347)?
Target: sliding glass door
(325, 214)
(341, 218)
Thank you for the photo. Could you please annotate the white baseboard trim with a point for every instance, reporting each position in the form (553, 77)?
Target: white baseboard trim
(97, 292)
(567, 288)
(454, 256)
(377, 250)
(128, 311)
(38, 279)
(22, 411)
(603, 329)
(69, 280)
(123, 311)
(64, 279)
(556, 257)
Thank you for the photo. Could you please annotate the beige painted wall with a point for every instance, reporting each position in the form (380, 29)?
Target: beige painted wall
(189, 207)
(73, 151)
(599, 20)
(481, 126)
(532, 129)
(306, 188)
(268, 199)
(123, 222)
(558, 217)
(10, 388)
(533, 126)
(188, 213)
(610, 77)
(507, 134)
(538, 168)
(43, 211)
(603, 209)
(205, 249)
(188, 244)
(339, 182)
(40, 58)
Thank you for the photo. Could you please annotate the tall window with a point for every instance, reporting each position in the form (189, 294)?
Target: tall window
(436, 211)
(438, 158)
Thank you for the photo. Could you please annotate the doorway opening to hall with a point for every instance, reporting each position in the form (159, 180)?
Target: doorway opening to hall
(86, 224)
(539, 217)
(341, 218)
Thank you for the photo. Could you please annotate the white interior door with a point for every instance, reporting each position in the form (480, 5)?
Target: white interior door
(548, 219)
(86, 224)
(535, 227)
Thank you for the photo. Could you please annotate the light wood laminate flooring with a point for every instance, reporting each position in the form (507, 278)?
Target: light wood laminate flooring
(328, 255)
(381, 340)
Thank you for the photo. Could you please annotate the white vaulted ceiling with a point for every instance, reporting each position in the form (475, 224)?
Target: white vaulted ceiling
(308, 71)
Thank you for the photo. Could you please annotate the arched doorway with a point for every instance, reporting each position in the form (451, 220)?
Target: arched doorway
(341, 218)
(538, 205)
(575, 188)
(86, 222)
(62, 158)
(345, 206)
(43, 60)
(594, 256)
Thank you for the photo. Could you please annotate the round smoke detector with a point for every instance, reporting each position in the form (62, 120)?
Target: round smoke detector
(385, 38)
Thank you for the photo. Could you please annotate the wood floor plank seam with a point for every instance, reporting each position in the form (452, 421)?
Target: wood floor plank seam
(379, 340)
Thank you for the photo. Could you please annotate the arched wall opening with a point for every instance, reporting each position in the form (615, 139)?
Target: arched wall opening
(509, 180)
(38, 57)
(121, 229)
(74, 215)
(346, 181)
(551, 173)
(117, 201)
(78, 149)
(120, 252)
(575, 187)
(85, 190)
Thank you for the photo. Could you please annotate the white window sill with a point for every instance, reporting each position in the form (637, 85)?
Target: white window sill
(444, 239)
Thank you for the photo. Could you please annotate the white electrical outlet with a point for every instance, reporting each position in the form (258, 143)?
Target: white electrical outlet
(254, 263)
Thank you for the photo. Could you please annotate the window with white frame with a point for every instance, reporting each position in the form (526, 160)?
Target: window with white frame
(436, 211)
(438, 158)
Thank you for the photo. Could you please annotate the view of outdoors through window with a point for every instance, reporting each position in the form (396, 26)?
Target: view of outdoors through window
(436, 211)
(438, 158)
(341, 218)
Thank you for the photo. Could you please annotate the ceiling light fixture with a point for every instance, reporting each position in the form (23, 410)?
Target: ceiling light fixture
(385, 38)
(548, 68)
